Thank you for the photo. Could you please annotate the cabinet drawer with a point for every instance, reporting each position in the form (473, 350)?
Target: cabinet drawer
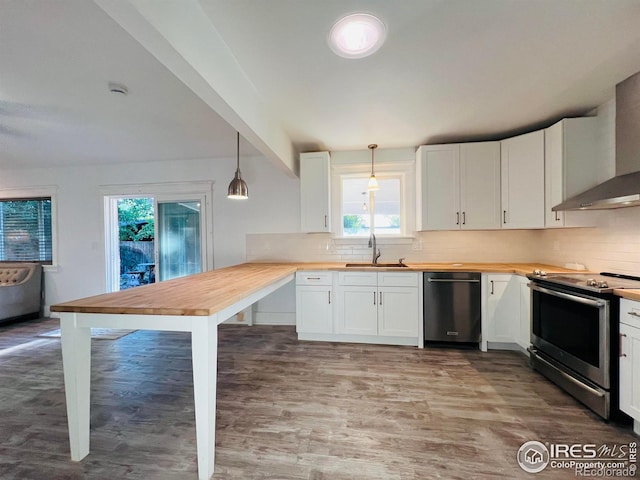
(314, 278)
(398, 279)
(358, 278)
(630, 312)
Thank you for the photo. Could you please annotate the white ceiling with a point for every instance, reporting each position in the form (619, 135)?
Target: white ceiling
(451, 70)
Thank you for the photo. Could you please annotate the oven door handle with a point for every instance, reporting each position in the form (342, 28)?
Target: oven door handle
(577, 382)
(568, 296)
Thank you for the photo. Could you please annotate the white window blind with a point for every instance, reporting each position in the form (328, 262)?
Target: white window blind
(25, 230)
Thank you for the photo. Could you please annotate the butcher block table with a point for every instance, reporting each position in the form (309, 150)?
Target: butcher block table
(196, 304)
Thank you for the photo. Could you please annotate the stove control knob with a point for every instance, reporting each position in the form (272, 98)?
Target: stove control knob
(603, 284)
(543, 273)
(591, 282)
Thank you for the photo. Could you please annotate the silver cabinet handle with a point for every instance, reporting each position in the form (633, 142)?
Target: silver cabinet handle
(504, 216)
(635, 314)
(457, 218)
(374, 298)
(620, 348)
(380, 298)
(313, 278)
(491, 281)
(329, 292)
(557, 217)
(464, 218)
(325, 221)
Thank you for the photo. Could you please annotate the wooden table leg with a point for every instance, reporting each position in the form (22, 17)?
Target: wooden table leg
(204, 352)
(76, 359)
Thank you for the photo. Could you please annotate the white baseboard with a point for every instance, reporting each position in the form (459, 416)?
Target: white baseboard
(274, 318)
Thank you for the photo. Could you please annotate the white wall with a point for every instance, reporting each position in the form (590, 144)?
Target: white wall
(273, 206)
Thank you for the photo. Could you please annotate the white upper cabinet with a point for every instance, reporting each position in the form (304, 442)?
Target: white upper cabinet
(480, 185)
(570, 165)
(522, 165)
(315, 192)
(438, 177)
(458, 186)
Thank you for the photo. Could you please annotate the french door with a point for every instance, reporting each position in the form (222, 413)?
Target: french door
(182, 238)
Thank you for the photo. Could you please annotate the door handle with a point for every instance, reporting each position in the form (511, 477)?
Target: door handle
(491, 281)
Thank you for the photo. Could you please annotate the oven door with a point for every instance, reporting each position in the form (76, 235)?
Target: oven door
(572, 328)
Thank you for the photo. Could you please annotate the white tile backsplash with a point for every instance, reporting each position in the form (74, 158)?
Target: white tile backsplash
(613, 245)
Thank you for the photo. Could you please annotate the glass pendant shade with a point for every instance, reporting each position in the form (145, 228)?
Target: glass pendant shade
(238, 187)
(372, 186)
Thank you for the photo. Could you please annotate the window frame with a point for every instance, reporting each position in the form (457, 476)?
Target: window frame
(38, 193)
(405, 171)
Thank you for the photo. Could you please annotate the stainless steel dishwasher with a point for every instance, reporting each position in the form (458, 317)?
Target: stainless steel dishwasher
(452, 307)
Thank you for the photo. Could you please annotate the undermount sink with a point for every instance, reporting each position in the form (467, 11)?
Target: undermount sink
(381, 265)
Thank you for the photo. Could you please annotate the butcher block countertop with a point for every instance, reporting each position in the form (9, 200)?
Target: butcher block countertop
(200, 294)
(210, 292)
(519, 268)
(630, 294)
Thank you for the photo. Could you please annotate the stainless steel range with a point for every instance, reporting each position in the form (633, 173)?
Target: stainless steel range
(575, 334)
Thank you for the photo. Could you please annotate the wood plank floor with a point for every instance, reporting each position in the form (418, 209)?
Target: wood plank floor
(286, 410)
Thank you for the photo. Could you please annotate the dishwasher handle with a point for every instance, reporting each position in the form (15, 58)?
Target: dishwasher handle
(452, 280)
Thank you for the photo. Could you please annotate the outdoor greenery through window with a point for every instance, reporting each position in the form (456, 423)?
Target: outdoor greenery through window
(356, 208)
(25, 230)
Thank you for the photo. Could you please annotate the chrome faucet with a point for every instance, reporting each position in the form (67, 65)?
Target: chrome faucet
(376, 251)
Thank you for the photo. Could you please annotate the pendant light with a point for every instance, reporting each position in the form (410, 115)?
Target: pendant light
(238, 187)
(372, 186)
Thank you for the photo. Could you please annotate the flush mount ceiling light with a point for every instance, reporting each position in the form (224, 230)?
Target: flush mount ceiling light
(357, 35)
(238, 189)
(372, 186)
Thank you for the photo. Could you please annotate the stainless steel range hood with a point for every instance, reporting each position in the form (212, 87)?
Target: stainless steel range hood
(623, 190)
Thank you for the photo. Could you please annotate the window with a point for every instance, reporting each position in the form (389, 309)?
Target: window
(357, 206)
(25, 230)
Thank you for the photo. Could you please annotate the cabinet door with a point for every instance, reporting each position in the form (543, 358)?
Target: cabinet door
(398, 312)
(315, 194)
(553, 182)
(357, 310)
(570, 167)
(522, 175)
(524, 337)
(314, 309)
(438, 183)
(503, 308)
(480, 185)
(630, 370)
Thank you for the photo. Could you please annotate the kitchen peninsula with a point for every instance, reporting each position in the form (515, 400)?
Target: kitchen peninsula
(196, 304)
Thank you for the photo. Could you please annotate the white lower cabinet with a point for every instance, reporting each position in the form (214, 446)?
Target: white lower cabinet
(502, 309)
(314, 302)
(359, 306)
(524, 335)
(630, 360)
(379, 307)
(357, 310)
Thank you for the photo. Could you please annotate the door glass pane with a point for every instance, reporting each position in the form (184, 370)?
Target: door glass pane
(179, 248)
